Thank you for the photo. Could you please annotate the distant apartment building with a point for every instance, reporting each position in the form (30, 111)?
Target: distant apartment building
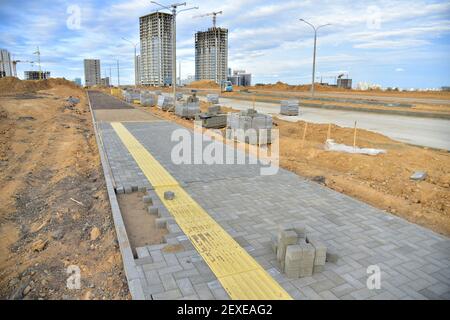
(92, 74)
(211, 55)
(344, 83)
(7, 66)
(156, 49)
(77, 81)
(240, 78)
(34, 75)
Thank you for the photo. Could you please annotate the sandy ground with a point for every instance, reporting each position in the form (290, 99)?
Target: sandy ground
(140, 225)
(382, 181)
(54, 209)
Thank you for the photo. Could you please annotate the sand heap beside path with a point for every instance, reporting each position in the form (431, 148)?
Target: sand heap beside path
(12, 85)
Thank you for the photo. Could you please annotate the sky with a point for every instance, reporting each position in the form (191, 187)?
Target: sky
(402, 44)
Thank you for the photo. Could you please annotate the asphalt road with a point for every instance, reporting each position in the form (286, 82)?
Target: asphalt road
(428, 132)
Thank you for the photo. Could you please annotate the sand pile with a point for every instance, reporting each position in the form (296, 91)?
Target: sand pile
(203, 84)
(10, 85)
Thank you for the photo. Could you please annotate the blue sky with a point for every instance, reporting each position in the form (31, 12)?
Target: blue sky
(392, 43)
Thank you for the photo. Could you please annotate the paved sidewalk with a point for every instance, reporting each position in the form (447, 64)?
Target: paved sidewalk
(414, 261)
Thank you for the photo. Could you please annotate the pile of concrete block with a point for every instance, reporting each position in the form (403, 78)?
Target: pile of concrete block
(212, 98)
(131, 96)
(188, 109)
(250, 119)
(165, 103)
(298, 255)
(213, 118)
(289, 107)
(148, 99)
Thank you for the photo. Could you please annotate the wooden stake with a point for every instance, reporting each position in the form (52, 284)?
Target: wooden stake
(329, 131)
(354, 137)
(304, 134)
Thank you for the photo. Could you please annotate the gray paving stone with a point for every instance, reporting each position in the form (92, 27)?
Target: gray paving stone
(250, 206)
(168, 295)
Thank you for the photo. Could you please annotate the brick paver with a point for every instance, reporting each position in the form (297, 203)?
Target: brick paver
(414, 261)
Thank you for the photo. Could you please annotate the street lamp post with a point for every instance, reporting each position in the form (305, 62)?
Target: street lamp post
(314, 54)
(173, 8)
(135, 60)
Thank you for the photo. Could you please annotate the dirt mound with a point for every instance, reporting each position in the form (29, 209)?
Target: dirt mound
(203, 84)
(11, 85)
(54, 208)
(281, 86)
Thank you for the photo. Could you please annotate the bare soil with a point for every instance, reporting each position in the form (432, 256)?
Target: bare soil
(140, 225)
(54, 209)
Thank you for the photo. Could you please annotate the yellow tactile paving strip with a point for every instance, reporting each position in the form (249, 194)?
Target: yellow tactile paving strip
(240, 275)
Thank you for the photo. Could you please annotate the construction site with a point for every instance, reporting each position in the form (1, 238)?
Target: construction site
(216, 191)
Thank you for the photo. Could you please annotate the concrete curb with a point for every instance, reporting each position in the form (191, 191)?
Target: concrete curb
(129, 264)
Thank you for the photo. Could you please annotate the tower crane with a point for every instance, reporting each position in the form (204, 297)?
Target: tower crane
(39, 61)
(213, 14)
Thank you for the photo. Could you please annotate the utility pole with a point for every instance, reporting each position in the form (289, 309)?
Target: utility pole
(118, 74)
(314, 54)
(173, 8)
(110, 78)
(179, 73)
(135, 61)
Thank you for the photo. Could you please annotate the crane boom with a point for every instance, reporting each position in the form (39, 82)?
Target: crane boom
(213, 14)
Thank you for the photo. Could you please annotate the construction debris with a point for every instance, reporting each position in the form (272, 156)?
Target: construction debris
(419, 175)
(289, 107)
(330, 145)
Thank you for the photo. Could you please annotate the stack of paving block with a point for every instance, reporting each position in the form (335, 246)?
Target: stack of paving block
(148, 99)
(165, 103)
(213, 118)
(214, 109)
(132, 96)
(212, 98)
(188, 109)
(298, 255)
(289, 107)
(320, 253)
(257, 127)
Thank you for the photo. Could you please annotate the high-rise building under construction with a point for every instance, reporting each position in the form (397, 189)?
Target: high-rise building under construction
(211, 54)
(156, 49)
